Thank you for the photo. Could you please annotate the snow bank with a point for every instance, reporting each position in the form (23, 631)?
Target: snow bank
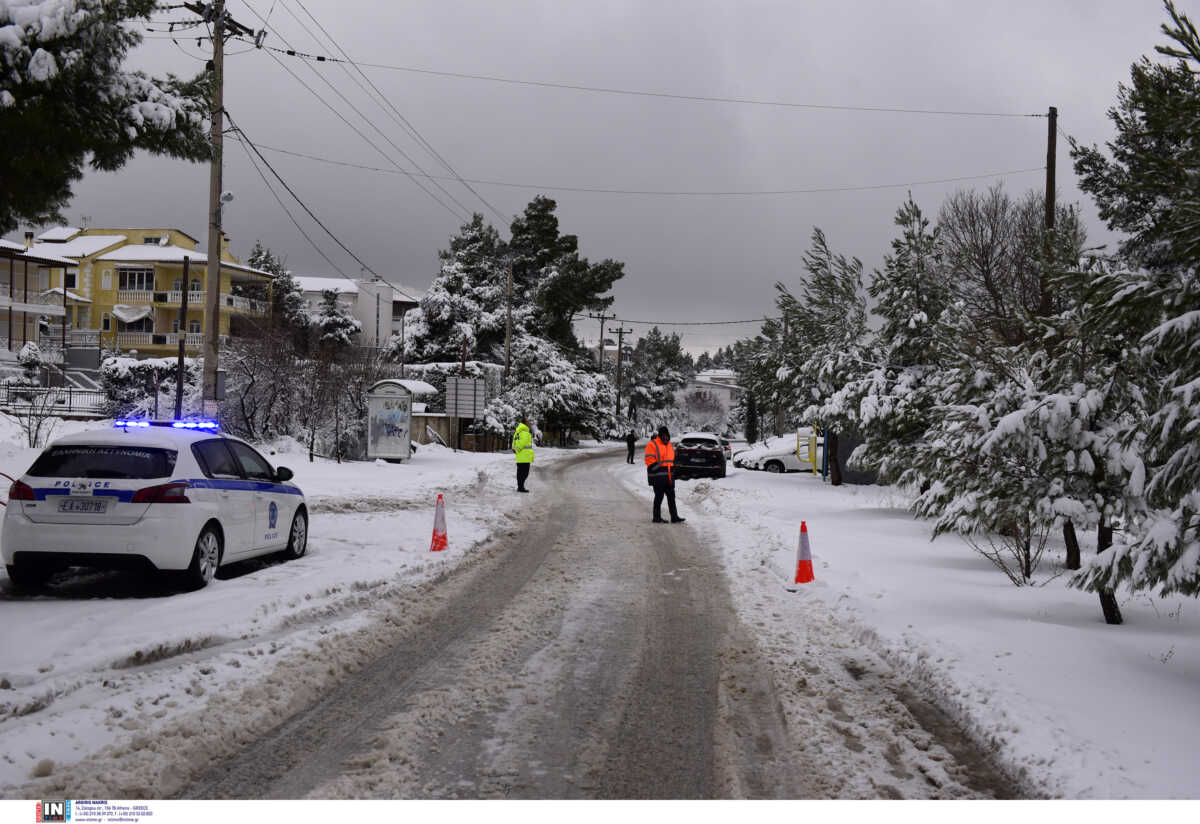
(105, 662)
(1081, 709)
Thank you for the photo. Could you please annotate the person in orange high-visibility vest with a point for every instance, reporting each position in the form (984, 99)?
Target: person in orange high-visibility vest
(660, 474)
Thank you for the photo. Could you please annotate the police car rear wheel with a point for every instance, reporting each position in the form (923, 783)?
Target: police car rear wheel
(773, 466)
(298, 537)
(206, 557)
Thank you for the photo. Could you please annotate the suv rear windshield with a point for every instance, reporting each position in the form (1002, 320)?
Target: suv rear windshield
(704, 443)
(84, 461)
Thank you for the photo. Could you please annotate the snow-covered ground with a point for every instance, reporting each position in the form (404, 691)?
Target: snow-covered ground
(1080, 708)
(106, 660)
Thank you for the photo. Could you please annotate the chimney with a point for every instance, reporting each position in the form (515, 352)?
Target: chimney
(28, 238)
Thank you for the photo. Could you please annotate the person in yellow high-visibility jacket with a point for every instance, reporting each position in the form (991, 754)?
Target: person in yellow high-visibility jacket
(522, 444)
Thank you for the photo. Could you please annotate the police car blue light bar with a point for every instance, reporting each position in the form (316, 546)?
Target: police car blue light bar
(206, 425)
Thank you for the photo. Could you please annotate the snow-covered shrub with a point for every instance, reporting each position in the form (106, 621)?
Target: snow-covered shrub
(143, 388)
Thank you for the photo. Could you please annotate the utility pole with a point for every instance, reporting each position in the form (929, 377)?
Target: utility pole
(214, 13)
(183, 326)
(620, 332)
(600, 346)
(507, 326)
(1044, 299)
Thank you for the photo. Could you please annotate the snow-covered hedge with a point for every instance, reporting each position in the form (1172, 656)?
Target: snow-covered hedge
(131, 386)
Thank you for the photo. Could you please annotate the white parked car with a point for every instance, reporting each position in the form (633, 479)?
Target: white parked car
(782, 453)
(178, 497)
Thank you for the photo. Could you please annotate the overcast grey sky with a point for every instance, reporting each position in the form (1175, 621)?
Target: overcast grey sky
(687, 258)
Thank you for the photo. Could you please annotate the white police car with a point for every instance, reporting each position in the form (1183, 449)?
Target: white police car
(173, 496)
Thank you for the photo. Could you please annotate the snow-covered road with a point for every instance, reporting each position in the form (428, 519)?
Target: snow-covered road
(591, 654)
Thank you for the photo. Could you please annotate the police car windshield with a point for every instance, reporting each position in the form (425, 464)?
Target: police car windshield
(82, 461)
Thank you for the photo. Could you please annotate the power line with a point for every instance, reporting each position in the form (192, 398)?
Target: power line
(286, 210)
(372, 144)
(666, 95)
(296, 197)
(661, 192)
(367, 93)
(695, 322)
(413, 130)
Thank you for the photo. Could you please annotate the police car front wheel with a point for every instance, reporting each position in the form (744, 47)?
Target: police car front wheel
(298, 537)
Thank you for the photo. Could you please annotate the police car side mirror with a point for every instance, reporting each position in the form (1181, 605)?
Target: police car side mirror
(282, 473)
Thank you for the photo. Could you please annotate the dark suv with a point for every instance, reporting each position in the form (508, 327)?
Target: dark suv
(699, 455)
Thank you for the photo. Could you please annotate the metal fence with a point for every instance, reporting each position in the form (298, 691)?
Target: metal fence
(54, 400)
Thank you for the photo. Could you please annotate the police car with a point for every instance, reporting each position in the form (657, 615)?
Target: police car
(175, 496)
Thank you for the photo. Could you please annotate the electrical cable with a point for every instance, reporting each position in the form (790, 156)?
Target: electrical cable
(404, 120)
(248, 144)
(668, 193)
(296, 197)
(368, 121)
(694, 323)
(666, 95)
(371, 143)
(361, 88)
(286, 210)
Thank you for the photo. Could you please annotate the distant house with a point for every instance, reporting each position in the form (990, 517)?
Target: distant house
(121, 289)
(720, 385)
(378, 305)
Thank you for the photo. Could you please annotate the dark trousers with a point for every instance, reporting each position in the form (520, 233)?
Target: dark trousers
(629, 457)
(522, 474)
(665, 488)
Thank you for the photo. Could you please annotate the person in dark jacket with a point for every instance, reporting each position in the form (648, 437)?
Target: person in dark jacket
(630, 443)
(660, 473)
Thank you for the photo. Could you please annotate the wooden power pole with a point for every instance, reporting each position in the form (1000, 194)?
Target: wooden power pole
(620, 332)
(1044, 299)
(215, 14)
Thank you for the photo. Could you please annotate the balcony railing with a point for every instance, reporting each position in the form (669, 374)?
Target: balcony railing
(136, 338)
(134, 296)
(175, 297)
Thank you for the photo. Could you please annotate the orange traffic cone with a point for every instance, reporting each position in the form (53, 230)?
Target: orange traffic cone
(439, 526)
(804, 569)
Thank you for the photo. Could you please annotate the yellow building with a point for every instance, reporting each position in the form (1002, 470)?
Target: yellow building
(126, 289)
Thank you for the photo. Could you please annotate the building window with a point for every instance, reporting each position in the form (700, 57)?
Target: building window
(194, 326)
(105, 322)
(195, 285)
(106, 279)
(175, 325)
(150, 241)
(136, 280)
(71, 278)
(145, 324)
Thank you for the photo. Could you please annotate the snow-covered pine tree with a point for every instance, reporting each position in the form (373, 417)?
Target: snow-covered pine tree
(334, 328)
(659, 368)
(893, 398)
(465, 304)
(825, 342)
(65, 101)
(554, 391)
(1151, 189)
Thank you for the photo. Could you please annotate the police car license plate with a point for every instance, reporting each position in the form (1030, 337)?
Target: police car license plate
(85, 505)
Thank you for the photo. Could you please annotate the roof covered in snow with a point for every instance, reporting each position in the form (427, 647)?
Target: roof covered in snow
(79, 247)
(139, 253)
(59, 234)
(18, 251)
(310, 283)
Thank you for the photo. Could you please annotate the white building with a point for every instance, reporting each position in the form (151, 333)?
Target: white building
(718, 384)
(378, 305)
